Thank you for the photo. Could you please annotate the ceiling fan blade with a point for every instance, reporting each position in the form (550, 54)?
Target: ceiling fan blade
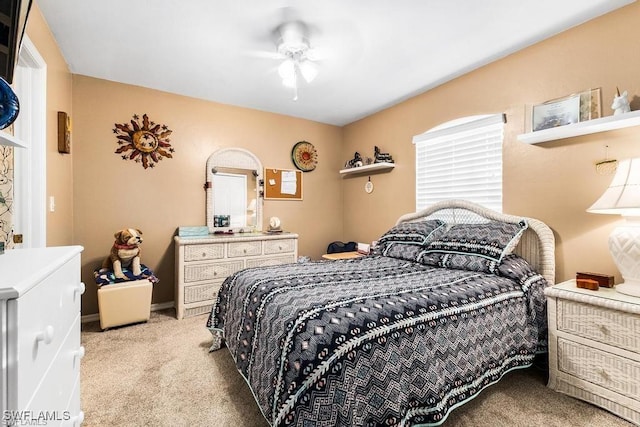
(264, 54)
(318, 53)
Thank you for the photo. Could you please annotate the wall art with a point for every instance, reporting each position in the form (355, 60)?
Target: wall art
(143, 141)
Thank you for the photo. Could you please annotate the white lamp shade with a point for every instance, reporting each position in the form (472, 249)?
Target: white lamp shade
(623, 198)
(623, 195)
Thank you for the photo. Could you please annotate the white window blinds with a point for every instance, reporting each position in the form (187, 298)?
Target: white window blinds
(461, 159)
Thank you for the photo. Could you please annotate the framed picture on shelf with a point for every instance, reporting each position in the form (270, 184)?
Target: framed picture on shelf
(590, 106)
(557, 112)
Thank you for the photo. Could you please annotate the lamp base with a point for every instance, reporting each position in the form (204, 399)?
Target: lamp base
(629, 288)
(624, 244)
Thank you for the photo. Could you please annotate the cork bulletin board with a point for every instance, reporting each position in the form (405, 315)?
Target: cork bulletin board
(282, 184)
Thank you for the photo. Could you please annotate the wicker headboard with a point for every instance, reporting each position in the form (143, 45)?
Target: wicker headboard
(537, 244)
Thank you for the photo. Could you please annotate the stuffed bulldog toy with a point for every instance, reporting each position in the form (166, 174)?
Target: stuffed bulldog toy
(125, 253)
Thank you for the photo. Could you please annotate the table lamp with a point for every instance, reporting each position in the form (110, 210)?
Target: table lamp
(623, 198)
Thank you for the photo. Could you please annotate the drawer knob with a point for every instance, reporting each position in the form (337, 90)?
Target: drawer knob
(245, 251)
(78, 419)
(604, 374)
(204, 254)
(80, 288)
(46, 336)
(603, 329)
(80, 352)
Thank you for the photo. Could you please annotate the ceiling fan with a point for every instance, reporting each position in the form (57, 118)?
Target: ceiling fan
(294, 47)
(299, 58)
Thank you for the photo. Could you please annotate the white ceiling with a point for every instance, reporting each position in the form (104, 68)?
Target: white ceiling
(378, 52)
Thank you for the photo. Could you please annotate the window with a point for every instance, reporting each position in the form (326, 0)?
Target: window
(461, 159)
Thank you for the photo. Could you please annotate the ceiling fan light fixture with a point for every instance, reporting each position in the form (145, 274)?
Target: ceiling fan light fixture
(309, 70)
(287, 70)
(291, 83)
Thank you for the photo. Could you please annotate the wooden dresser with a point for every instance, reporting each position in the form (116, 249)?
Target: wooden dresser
(40, 292)
(594, 347)
(202, 264)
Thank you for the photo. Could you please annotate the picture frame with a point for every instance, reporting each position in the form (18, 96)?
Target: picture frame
(557, 112)
(64, 133)
(590, 104)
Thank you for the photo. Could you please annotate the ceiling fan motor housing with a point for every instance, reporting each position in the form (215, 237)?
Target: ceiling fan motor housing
(293, 42)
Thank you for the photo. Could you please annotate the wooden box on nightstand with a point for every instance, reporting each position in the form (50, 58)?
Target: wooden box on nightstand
(594, 347)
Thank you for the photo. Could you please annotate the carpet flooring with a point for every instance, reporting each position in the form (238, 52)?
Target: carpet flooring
(161, 373)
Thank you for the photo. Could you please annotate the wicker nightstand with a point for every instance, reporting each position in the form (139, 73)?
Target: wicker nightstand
(594, 347)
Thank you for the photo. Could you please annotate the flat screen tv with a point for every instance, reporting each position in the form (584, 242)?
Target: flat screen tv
(13, 20)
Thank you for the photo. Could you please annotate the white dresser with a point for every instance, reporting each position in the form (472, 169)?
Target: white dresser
(202, 264)
(40, 292)
(594, 347)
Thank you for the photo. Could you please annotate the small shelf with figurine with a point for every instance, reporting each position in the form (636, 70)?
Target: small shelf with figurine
(380, 162)
(622, 118)
(368, 168)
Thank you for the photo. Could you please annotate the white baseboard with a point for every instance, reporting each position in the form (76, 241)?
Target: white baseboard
(154, 307)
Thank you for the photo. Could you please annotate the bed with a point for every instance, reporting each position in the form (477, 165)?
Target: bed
(450, 301)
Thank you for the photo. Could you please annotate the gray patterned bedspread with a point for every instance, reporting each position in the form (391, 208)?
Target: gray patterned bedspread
(376, 340)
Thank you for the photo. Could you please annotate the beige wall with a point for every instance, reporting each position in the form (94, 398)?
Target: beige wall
(554, 181)
(97, 192)
(111, 193)
(59, 166)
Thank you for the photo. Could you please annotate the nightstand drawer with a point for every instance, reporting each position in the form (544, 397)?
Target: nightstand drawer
(615, 373)
(203, 252)
(619, 329)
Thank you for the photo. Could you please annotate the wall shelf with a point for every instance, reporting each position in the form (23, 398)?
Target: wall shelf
(588, 127)
(375, 167)
(10, 140)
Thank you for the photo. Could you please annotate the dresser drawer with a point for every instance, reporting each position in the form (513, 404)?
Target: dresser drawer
(279, 246)
(44, 316)
(240, 249)
(616, 328)
(262, 262)
(55, 390)
(615, 373)
(203, 252)
(204, 292)
(212, 271)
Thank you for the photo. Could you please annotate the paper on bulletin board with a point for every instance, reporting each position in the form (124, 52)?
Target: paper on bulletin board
(289, 184)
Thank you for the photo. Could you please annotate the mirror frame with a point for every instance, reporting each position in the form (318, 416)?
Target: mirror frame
(237, 158)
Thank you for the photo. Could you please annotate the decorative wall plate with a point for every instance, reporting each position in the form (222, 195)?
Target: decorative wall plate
(304, 156)
(9, 105)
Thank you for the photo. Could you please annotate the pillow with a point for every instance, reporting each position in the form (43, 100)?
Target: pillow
(400, 250)
(475, 247)
(416, 233)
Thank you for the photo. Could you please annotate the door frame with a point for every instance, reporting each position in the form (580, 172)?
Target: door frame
(30, 164)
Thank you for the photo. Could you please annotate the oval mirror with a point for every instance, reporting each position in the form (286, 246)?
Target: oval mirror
(234, 199)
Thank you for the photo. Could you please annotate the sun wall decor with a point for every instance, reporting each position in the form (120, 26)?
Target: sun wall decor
(147, 141)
